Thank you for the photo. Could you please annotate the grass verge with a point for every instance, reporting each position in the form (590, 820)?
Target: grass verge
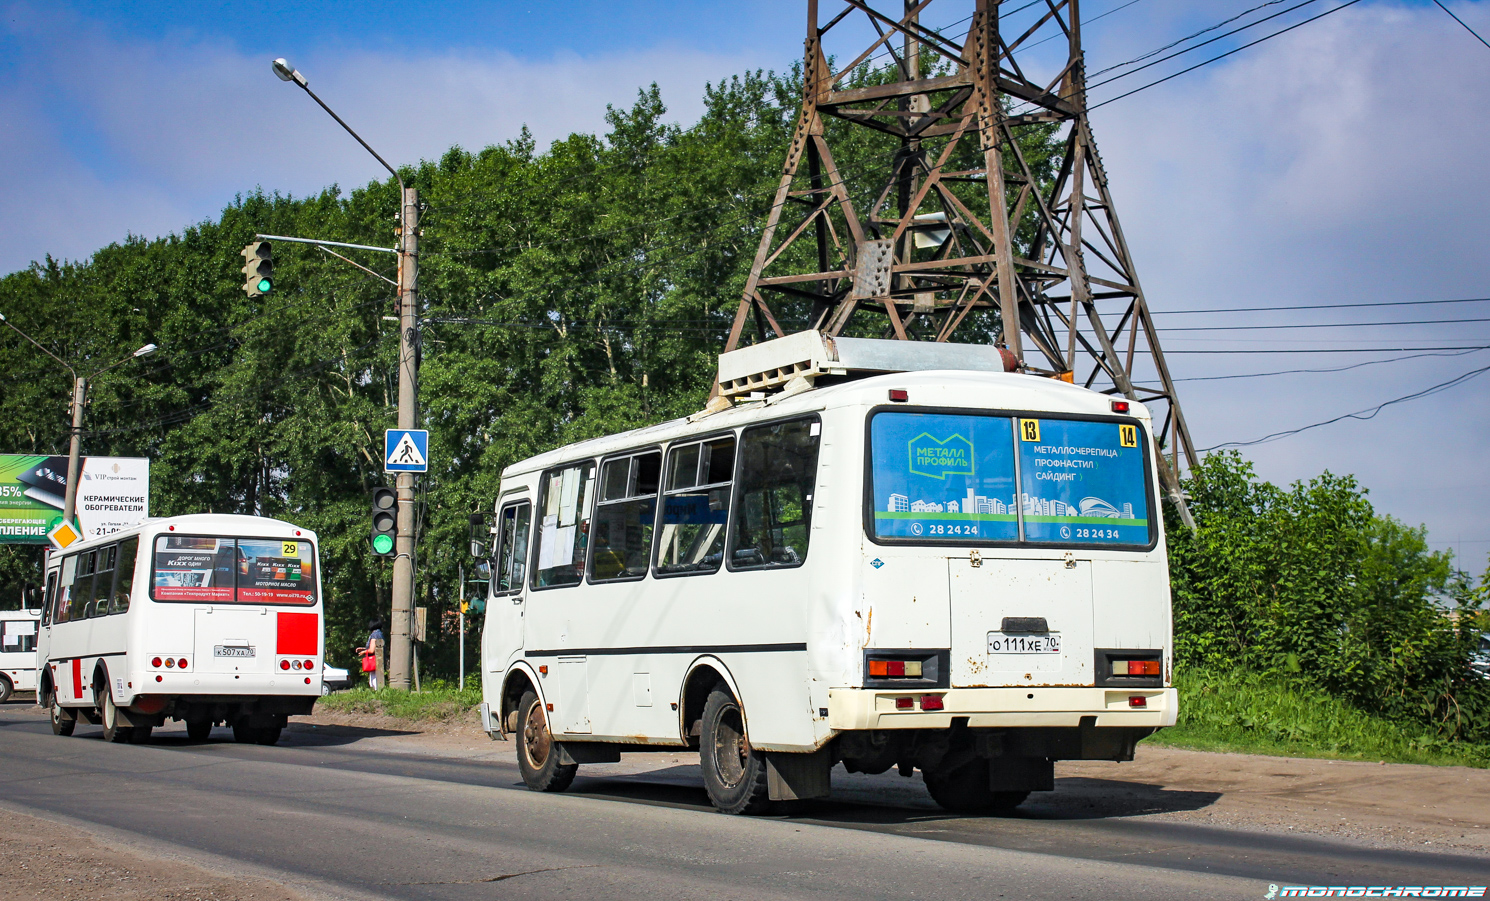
(1259, 715)
(439, 702)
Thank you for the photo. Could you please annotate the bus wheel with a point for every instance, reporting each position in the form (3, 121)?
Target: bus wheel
(112, 731)
(6, 689)
(63, 721)
(734, 774)
(140, 735)
(966, 789)
(245, 734)
(267, 736)
(198, 730)
(537, 754)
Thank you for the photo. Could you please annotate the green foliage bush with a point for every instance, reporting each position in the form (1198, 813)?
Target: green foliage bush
(1308, 585)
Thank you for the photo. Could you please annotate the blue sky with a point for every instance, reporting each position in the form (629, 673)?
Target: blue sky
(1341, 163)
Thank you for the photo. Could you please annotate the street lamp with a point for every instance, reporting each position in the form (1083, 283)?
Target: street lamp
(400, 644)
(79, 399)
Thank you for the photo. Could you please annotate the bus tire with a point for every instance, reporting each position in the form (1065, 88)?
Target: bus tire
(113, 731)
(734, 774)
(537, 753)
(268, 735)
(140, 735)
(244, 734)
(6, 688)
(198, 730)
(63, 721)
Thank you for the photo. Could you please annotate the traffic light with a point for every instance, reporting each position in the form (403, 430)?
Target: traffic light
(258, 269)
(384, 521)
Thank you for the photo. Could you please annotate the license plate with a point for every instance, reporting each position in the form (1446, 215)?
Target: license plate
(227, 650)
(1003, 643)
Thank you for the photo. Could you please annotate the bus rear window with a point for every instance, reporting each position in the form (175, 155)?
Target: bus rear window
(981, 478)
(213, 570)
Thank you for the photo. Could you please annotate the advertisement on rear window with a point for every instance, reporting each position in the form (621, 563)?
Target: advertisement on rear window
(189, 568)
(233, 570)
(1083, 482)
(943, 477)
(275, 572)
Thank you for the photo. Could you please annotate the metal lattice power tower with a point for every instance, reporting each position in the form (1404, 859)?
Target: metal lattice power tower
(962, 234)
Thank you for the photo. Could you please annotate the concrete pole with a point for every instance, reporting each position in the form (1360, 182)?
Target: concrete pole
(400, 645)
(74, 451)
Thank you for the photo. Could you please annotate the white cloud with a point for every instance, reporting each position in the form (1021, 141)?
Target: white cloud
(147, 137)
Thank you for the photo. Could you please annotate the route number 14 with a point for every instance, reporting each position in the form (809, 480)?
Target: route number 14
(1128, 435)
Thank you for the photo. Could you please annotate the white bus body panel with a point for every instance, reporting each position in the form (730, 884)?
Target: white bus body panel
(792, 640)
(18, 634)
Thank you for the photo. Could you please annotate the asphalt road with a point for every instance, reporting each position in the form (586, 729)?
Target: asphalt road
(330, 814)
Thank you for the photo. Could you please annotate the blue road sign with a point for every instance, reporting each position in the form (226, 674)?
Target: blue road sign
(406, 450)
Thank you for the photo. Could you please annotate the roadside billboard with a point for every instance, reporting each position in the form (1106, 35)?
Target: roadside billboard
(114, 494)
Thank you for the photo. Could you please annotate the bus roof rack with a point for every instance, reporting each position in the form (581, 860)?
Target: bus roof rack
(775, 364)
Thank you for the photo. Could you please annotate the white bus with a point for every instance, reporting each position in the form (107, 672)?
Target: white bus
(17, 651)
(208, 619)
(958, 572)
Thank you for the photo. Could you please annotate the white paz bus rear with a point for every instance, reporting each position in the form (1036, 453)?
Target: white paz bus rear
(210, 619)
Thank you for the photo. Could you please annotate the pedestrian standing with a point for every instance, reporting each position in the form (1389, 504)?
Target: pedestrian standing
(370, 654)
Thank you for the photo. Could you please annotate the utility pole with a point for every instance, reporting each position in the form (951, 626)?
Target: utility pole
(400, 642)
(401, 646)
(75, 448)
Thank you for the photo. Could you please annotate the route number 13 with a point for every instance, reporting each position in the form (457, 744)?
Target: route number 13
(1128, 435)
(1029, 429)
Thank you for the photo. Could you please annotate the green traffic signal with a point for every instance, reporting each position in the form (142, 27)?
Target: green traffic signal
(382, 544)
(258, 266)
(265, 286)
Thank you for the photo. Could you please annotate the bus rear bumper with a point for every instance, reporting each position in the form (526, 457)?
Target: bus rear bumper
(863, 708)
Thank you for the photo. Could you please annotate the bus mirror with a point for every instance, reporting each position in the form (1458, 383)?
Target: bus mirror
(478, 549)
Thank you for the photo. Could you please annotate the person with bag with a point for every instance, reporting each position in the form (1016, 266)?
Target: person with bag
(369, 654)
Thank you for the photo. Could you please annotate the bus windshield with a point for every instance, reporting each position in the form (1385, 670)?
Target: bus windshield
(197, 568)
(1007, 479)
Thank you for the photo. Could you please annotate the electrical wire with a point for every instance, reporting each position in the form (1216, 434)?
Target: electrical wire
(1323, 306)
(1270, 326)
(1462, 22)
(1258, 375)
(1138, 59)
(1362, 415)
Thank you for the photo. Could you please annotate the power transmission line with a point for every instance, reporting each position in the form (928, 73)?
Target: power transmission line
(1462, 22)
(1258, 375)
(1363, 415)
(1271, 326)
(1329, 306)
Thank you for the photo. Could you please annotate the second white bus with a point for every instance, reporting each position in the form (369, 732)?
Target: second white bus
(211, 619)
(961, 573)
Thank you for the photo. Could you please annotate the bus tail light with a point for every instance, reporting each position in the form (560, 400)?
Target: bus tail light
(295, 664)
(155, 662)
(1138, 701)
(181, 663)
(932, 702)
(899, 395)
(1119, 406)
(284, 664)
(895, 669)
(905, 703)
(1136, 668)
(170, 663)
(309, 664)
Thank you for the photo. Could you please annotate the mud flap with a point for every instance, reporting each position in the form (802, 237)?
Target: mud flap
(797, 777)
(1021, 774)
(588, 752)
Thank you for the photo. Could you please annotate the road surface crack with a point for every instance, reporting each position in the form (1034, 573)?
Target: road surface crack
(502, 878)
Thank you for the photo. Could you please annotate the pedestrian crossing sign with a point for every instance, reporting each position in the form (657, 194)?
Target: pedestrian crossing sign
(406, 450)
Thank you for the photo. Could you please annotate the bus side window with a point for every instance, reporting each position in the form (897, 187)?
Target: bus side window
(82, 586)
(778, 468)
(512, 548)
(124, 570)
(62, 606)
(624, 514)
(103, 580)
(564, 525)
(695, 506)
(49, 598)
